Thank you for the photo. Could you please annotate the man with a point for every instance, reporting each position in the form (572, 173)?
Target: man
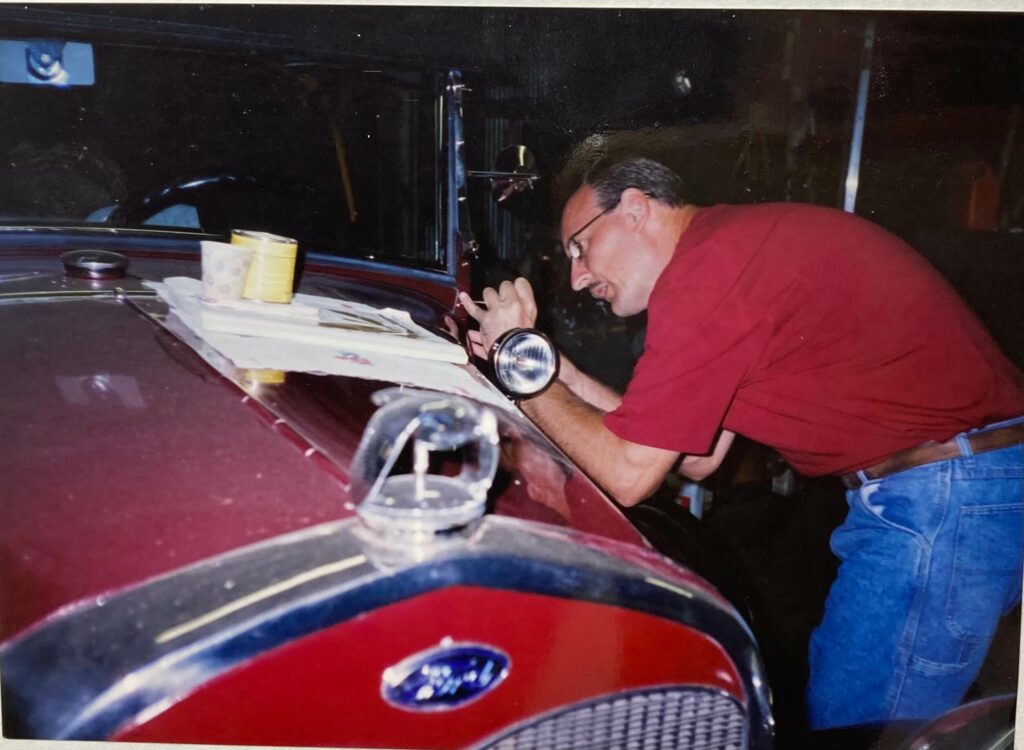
(817, 333)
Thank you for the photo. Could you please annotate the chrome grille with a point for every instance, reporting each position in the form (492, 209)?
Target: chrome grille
(663, 719)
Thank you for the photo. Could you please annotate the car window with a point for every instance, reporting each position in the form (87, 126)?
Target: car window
(344, 159)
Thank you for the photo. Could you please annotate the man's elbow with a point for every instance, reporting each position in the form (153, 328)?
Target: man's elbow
(629, 498)
(639, 471)
(630, 491)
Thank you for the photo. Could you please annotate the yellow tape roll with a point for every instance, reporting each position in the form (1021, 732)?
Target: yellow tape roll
(272, 271)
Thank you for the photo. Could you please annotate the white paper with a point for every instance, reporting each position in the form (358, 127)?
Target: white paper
(263, 353)
(334, 323)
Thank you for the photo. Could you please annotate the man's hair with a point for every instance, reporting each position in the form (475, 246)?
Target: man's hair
(609, 178)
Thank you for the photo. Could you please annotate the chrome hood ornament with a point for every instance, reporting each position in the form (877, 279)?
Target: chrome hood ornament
(424, 431)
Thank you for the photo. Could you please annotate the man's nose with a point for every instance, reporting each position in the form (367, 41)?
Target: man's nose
(579, 275)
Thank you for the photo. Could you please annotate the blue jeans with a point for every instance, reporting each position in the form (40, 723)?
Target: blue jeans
(930, 560)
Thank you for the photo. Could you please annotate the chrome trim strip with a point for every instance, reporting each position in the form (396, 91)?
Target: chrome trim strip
(119, 232)
(100, 664)
(438, 276)
(59, 294)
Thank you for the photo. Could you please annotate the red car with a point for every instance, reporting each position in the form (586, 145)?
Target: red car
(198, 550)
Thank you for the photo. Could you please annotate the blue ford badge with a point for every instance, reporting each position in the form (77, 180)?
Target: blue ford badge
(445, 677)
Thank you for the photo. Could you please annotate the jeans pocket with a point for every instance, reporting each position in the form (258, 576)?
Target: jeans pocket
(986, 575)
(893, 505)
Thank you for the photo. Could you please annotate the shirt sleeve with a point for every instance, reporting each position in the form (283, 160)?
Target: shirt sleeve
(701, 344)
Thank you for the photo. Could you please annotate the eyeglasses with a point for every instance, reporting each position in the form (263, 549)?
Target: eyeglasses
(573, 249)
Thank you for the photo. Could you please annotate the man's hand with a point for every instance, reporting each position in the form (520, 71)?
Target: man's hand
(510, 306)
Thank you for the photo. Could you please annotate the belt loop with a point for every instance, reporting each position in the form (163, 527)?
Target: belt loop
(862, 477)
(964, 445)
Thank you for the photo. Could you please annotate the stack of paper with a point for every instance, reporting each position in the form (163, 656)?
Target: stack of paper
(295, 311)
(364, 350)
(319, 321)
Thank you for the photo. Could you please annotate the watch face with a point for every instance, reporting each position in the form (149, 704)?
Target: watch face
(525, 362)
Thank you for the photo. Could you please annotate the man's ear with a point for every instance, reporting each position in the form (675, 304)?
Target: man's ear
(636, 206)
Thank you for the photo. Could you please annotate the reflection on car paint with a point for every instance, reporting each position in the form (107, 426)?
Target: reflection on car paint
(101, 389)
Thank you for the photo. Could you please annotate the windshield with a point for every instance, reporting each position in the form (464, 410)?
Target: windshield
(344, 159)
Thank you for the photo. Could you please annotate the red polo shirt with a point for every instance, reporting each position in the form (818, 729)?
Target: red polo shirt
(812, 331)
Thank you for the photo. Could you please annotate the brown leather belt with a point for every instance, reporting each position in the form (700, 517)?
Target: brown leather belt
(926, 453)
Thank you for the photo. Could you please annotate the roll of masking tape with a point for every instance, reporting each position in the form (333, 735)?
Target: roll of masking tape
(264, 377)
(272, 271)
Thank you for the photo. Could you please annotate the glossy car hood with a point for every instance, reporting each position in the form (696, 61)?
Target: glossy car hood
(126, 455)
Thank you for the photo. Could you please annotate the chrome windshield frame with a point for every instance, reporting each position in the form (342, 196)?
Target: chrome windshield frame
(459, 238)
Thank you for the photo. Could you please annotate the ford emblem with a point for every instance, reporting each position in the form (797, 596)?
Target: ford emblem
(446, 677)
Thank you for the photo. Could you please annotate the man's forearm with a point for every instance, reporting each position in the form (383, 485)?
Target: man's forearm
(592, 391)
(627, 471)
